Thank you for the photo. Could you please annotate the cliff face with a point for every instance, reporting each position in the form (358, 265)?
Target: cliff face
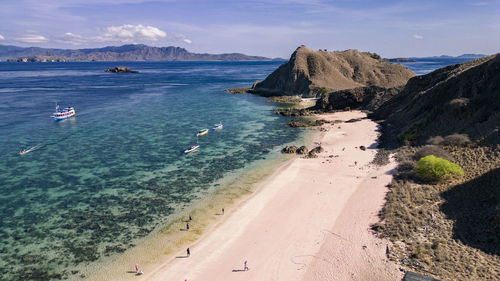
(308, 72)
(461, 98)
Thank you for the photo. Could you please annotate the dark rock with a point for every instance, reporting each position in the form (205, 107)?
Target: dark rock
(317, 149)
(238, 90)
(121, 69)
(302, 150)
(308, 123)
(289, 149)
(292, 112)
(353, 120)
(370, 98)
(314, 151)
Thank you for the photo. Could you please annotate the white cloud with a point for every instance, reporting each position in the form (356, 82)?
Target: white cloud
(128, 33)
(187, 41)
(1, 37)
(418, 37)
(73, 39)
(32, 39)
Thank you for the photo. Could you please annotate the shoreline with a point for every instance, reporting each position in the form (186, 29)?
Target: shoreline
(231, 191)
(282, 229)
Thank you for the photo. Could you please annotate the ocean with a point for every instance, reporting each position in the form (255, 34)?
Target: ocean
(99, 182)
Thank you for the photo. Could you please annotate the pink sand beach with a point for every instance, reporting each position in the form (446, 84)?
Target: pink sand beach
(310, 220)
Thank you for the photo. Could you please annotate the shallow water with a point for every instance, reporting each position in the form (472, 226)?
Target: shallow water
(101, 181)
(109, 176)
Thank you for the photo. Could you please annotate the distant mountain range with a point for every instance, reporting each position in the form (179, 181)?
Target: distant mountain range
(414, 59)
(117, 53)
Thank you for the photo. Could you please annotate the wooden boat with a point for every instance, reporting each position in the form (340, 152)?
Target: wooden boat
(202, 132)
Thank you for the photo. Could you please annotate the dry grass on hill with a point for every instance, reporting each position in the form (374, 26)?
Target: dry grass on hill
(450, 230)
(311, 73)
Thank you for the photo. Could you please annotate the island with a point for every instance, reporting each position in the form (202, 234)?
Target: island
(121, 69)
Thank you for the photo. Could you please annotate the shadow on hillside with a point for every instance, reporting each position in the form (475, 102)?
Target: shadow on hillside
(475, 208)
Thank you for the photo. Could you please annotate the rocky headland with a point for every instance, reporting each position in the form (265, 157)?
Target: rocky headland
(310, 73)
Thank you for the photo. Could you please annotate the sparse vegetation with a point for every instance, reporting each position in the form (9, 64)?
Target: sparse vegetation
(435, 140)
(434, 168)
(456, 139)
(445, 229)
(325, 91)
(407, 137)
(432, 150)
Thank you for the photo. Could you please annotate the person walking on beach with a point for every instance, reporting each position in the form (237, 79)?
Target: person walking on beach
(188, 253)
(187, 226)
(245, 266)
(223, 211)
(190, 218)
(136, 268)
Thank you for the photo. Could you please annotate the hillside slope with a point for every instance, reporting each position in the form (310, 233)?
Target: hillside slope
(308, 72)
(461, 98)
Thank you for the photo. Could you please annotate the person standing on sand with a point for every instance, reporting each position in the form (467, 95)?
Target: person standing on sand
(188, 253)
(187, 226)
(223, 211)
(245, 266)
(136, 268)
(190, 218)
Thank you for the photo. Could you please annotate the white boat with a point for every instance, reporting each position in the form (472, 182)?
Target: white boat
(217, 126)
(192, 148)
(63, 114)
(202, 132)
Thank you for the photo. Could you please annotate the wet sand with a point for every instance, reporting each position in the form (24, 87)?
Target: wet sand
(308, 221)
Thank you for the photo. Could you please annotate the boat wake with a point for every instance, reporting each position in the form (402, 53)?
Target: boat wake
(24, 151)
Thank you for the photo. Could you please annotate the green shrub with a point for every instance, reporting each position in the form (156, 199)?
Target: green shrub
(434, 168)
(406, 136)
(326, 91)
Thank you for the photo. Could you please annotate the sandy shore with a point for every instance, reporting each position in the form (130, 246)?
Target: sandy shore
(309, 221)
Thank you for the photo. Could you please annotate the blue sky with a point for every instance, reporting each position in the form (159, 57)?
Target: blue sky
(272, 28)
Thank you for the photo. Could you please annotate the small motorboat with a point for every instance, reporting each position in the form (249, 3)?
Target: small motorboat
(202, 132)
(217, 126)
(192, 148)
(63, 114)
(24, 151)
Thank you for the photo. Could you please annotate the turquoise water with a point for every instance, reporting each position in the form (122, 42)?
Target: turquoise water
(112, 174)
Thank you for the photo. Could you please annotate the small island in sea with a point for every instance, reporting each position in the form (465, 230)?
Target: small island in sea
(121, 69)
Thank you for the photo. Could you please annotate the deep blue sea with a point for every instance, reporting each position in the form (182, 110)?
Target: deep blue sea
(425, 65)
(112, 174)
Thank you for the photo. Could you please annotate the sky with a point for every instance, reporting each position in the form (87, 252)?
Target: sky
(271, 28)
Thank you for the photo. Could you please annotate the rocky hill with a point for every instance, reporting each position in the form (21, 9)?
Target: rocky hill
(310, 73)
(118, 53)
(462, 98)
(449, 229)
